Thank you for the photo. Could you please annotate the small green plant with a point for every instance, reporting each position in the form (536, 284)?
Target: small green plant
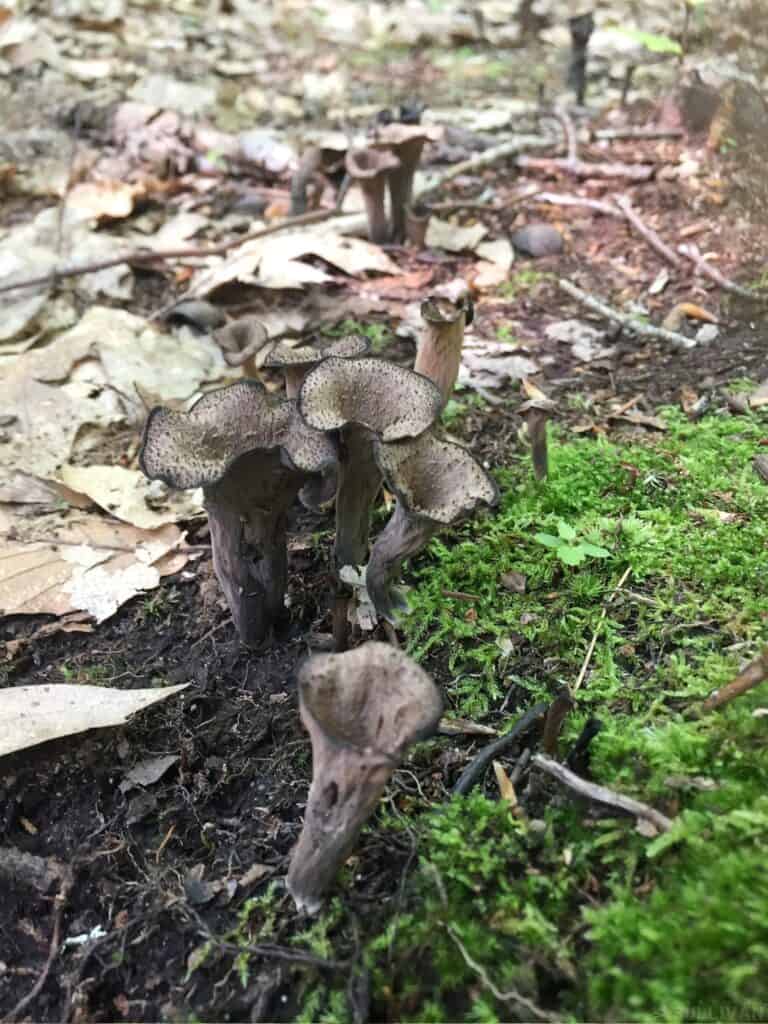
(378, 334)
(652, 43)
(523, 281)
(505, 333)
(569, 547)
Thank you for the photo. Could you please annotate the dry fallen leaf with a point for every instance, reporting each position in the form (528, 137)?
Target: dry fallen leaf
(77, 562)
(35, 714)
(98, 199)
(127, 495)
(441, 234)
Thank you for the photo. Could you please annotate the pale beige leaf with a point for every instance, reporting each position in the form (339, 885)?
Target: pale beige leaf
(97, 199)
(499, 252)
(504, 782)
(127, 495)
(66, 562)
(35, 714)
(441, 234)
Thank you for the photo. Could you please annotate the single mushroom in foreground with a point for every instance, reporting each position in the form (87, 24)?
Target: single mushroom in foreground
(439, 347)
(436, 483)
(363, 399)
(536, 412)
(244, 342)
(363, 710)
(405, 142)
(251, 453)
(368, 168)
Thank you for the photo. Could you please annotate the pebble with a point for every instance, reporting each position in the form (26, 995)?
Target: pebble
(537, 240)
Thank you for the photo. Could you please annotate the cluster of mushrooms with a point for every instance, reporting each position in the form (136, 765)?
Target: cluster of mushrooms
(345, 424)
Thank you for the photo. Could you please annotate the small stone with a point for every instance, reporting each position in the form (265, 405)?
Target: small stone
(707, 333)
(537, 240)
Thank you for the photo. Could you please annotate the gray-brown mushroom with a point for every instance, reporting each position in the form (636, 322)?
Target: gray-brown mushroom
(244, 342)
(436, 483)
(251, 453)
(439, 347)
(405, 142)
(363, 710)
(362, 399)
(369, 168)
(296, 360)
(536, 412)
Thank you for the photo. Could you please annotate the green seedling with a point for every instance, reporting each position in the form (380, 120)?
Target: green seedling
(568, 547)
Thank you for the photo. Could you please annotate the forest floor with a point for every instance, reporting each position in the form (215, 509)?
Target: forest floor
(632, 579)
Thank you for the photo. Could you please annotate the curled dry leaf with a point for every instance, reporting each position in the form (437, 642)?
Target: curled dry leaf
(35, 714)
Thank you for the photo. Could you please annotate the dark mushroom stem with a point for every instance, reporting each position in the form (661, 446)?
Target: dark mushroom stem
(404, 536)
(247, 515)
(369, 168)
(416, 224)
(363, 710)
(581, 28)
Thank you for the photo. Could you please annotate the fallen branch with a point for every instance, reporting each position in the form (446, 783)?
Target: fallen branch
(754, 674)
(504, 151)
(143, 257)
(611, 134)
(693, 253)
(650, 236)
(600, 621)
(582, 169)
(476, 768)
(601, 794)
(630, 323)
(592, 204)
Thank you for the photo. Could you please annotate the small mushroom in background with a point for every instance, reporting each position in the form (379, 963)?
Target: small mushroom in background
(363, 710)
(436, 483)
(581, 27)
(439, 348)
(296, 360)
(244, 342)
(322, 163)
(406, 142)
(417, 223)
(536, 411)
(369, 168)
(251, 453)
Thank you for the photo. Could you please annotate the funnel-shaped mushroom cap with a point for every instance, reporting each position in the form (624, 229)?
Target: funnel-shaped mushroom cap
(436, 482)
(440, 344)
(398, 135)
(197, 448)
(365, 164)
(362, 709)
(389, 400)
(435, 479)
(348, 347)
(244, 339)
(440, 309)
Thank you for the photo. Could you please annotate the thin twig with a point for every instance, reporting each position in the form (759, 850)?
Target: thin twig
(630, 323)
(58, 909)
(593, 204)
(143, 256)
(650, 236)
(583, 169)
(611, 134)
(600, 621)
(754, 674)
(273, 952)
(476, 768)
(601, 794)
(504, 151)
(693, 253)
(513, 996)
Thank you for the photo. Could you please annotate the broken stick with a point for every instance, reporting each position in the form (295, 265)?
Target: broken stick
(601, 794)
